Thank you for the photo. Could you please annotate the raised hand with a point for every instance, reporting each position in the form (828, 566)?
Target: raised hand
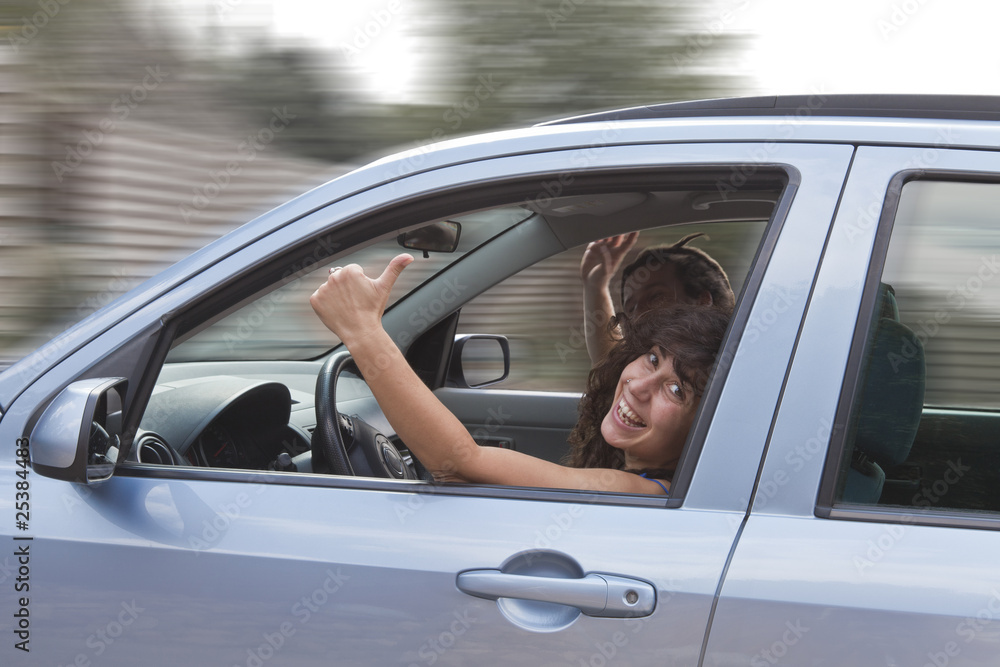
(351, 304)
(602, 258)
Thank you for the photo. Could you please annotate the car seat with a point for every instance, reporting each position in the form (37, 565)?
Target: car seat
(888, 405)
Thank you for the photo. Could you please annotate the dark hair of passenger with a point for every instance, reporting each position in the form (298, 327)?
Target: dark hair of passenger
(691, 335)
(698, 272)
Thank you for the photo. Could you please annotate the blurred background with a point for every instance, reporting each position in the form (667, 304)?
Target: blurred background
(135, 131)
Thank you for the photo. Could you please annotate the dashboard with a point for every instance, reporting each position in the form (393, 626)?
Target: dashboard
(240, 415)
(219, 422)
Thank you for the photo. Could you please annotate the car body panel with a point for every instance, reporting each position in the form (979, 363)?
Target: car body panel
(905, 594)
(812, 591)
(251, 552)
(175, 564)
(756, 372)
(377, 536)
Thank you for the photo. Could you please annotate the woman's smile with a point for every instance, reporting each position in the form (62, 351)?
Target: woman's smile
(627, 415)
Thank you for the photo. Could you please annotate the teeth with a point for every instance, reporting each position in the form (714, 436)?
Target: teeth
(629, 417)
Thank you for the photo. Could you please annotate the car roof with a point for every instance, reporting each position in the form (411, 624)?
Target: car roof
(950, 107)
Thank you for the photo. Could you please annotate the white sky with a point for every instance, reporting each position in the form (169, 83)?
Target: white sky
(874, 46)
(799, 46)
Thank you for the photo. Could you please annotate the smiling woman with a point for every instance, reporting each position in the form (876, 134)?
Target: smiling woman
(643, 396)
(631, 443)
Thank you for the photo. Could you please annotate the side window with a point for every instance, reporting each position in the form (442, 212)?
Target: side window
(249, 382)
(924, 431)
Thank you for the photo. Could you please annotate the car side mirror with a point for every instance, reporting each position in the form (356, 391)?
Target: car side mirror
(78, 436)
(478, 360)
(436, 237)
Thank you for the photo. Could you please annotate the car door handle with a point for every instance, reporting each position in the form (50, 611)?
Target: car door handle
(595, 594)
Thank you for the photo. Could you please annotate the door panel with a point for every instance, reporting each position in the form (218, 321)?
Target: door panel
(536, 423)
(226, 571)
(182, 565)
(879, 585)
(810, 591)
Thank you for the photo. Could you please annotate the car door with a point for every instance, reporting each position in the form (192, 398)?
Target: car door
(902, 571)
(174, 565)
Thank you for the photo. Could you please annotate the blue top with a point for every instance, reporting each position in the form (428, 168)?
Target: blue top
(666, 491)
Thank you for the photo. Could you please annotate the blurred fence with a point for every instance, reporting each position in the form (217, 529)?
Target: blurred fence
(24, 197)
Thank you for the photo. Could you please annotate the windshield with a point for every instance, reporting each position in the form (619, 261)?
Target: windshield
(282, 325)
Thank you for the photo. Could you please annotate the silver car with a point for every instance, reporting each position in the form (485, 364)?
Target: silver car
(837, 502)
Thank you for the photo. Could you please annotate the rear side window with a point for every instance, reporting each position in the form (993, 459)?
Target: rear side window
(924, 431)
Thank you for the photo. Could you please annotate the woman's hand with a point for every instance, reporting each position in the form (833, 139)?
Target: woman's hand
(351, 304)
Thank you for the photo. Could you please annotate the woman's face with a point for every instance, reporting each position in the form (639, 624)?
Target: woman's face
(651, 414)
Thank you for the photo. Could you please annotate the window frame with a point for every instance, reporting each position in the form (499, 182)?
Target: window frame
(256, 281)
(834, 469)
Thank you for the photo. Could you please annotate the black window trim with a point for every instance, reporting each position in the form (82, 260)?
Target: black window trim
(889, 106)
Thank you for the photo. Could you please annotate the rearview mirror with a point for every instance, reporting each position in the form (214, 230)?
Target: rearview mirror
(436, 237)
(78, 436)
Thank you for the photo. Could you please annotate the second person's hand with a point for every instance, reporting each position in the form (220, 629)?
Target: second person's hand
(602, 258)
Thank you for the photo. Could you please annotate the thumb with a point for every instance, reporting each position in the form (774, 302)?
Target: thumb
(396, 266)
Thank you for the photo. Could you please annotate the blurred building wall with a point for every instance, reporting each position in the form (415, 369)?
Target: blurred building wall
(24, 196)
(92, 205)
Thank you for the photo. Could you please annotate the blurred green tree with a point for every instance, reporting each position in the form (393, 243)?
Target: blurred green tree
(551, 58)
(492, 65)
(309, 85)
(488, 65)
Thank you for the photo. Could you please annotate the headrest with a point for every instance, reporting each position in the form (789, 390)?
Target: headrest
(892, 397)
(888, 306)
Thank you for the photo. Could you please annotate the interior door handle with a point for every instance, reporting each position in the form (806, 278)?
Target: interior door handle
(595, 594)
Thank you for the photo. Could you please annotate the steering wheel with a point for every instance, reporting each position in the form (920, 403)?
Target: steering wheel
(344, 445)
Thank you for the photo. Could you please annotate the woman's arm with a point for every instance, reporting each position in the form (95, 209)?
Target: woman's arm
(600, 262)
(446, 448)
(351, 305)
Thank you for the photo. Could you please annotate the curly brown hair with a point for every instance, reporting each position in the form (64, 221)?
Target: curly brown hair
(691, 335)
